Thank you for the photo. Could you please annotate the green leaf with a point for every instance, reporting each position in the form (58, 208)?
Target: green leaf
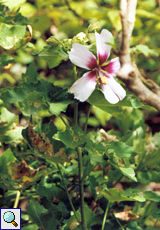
(6, 157)
(155, 139)
(31, 74)
(17, 94)
(149, 195)
(101, 115)
(11, 136)
(93, 26)
(72, 222)
(41, 23)
(41, 216)
(156, 214)
(50, 191)
(48, 93)
(52, 41)
(97, 99)
(13, 4)
(133, 225)
(11, 36)
(53, 55)
(147, 14)
(96, 151)
(5, 60)
(30, 227)
(7, 118)
(114, 16)
(144, 177)
(58, 107)
(151, 159)
(89, 215)
(11, 17)
(72, 138)
(114, 194)
(144, 50)
(128, 172)
(52, 208)
(8, 131)
(121, 149)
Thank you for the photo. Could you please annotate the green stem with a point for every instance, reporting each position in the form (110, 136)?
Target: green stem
(88, 113)
(85, 172)
(155, 224)
(118, 222)
(117, 182)
(81, 188)
(64, 121)
(76, 114)
(17, 199)
(68, 195)
(76, 103)
(105, 216)
(25, 197)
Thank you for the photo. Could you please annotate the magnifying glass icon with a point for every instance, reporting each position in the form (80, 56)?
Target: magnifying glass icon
(9, 217)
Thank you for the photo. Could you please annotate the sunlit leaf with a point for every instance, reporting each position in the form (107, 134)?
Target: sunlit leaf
(114, 194)
(147, 14)
(97, 99)
(121, 149)
(13, 4)
(8, 16)
(153, 196)
(6, 157)
(41, 22)
(144, 50)
(11, 36)
(128, 172)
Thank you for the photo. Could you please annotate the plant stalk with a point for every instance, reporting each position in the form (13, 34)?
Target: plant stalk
(68, 195)
(118, 222)
(64, 121)
(105, 216)
(85, 172)
(76, 103)
(17, 199)
(81, 188)
(76, 114)
(88, 113)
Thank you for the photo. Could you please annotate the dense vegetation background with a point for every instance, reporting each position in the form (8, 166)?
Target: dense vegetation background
(52, 166)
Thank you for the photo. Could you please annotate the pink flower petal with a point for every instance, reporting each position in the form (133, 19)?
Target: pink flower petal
(84, 86)
(113, 91)
(82, 57)
(113, 66)
(103, 49)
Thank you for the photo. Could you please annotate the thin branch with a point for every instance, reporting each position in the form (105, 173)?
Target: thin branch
(105, 216)
(68, 195)
(131, 8)
(128, 73)
(86, 123)
(17, 199)
(81, 188)
(124, 49)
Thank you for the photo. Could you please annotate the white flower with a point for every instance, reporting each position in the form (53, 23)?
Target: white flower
(100, 72)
